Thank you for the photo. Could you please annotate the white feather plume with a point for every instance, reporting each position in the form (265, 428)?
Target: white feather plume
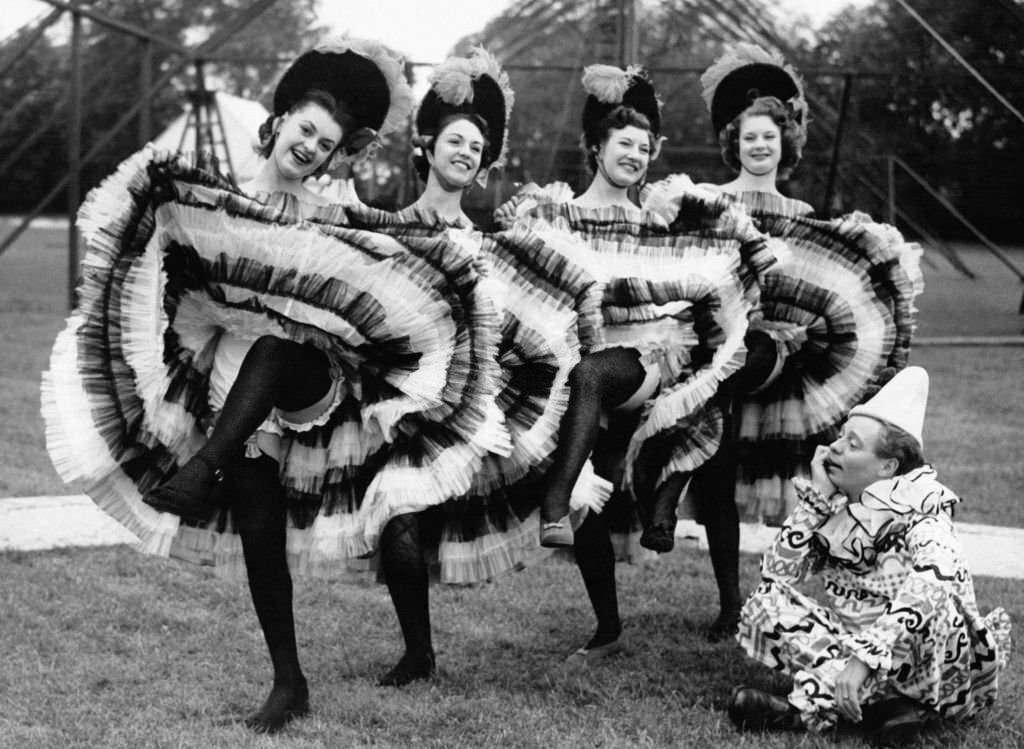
(737, 56)
(607, 83)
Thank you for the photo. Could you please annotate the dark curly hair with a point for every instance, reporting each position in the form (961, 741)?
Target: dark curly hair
(618, 118)
(324, 100)
(428, 140)
(793, 133)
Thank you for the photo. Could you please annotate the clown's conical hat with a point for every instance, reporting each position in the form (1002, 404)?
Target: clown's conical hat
(901, 402)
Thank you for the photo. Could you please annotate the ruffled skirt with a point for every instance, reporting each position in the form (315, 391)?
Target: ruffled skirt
(177, 259)
(841, 311)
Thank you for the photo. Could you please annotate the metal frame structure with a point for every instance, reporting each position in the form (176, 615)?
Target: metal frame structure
(726, 19)
(729, 20)
(195, 56)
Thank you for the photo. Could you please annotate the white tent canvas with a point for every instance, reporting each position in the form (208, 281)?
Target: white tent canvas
(242, 119)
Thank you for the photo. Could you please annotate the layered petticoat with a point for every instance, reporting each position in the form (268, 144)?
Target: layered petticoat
(840, 307)
(548, 311)
(177, 258)
(678, 291)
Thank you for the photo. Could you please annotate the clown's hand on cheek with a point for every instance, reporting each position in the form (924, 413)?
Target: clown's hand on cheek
(819, 474)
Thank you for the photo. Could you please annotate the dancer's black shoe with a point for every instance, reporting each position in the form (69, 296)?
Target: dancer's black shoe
(411, 667)
(285, 703)
(725, 626)
(659, 538)
(188, 492)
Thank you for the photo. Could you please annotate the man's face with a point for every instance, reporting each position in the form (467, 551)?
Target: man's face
(852, 464)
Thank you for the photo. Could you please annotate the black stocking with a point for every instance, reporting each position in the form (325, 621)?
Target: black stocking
(596, 561)
(715, 495)
(722, 525)
(659, 531)
(275, 372)
(657, 504)
(261, 518)
(601, 380)
(405, 572)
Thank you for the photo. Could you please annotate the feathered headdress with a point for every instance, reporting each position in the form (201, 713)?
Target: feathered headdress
(609, 87)
(469, 85)
(367, 77)
(746, 72)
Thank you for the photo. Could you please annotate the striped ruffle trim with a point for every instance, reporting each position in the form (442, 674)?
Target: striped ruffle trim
(175, 258)
(842, 309)
(649, 274)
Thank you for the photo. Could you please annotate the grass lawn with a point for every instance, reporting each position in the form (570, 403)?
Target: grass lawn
(110, 648)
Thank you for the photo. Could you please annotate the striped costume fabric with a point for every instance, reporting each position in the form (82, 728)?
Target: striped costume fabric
(680, 292)
(177, 258)
(547, 312)
(899, 598)
(840, 307)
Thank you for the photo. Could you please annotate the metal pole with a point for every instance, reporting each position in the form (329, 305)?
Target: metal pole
(632, 34)
(963, 63)
(833, 169)
(890, 171)
(202, 51)
(128, 28)
(145, 84)
(992, 246)
(215, 112)
(198, 106)
(74, 154)
(947, 251)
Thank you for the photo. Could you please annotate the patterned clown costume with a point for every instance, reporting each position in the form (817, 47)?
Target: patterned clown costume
(899, 598)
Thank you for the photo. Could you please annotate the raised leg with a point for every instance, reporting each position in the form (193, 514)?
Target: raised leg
(274, 373)
(601, 380)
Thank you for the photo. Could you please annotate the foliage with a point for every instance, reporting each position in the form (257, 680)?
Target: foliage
(930, 110)
(923, 107)
(676, 40)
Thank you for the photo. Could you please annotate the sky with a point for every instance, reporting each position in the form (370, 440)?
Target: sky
(426, 31)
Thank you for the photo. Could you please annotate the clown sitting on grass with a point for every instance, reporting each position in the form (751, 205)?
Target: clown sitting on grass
(899, 641)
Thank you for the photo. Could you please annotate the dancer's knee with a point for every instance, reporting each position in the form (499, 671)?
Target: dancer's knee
(586, 377)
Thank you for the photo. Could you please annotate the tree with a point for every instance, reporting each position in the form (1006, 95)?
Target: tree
(931, 111)
(37, 88)
(671, 35)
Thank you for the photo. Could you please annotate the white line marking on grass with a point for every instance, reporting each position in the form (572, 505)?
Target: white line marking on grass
(38, 523)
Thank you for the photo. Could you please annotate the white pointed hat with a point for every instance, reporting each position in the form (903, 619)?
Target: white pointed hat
(901, 402)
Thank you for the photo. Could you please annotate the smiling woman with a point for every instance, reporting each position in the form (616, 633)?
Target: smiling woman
(676, 295)
(274, 380)
(836, 315)
(306, 137)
